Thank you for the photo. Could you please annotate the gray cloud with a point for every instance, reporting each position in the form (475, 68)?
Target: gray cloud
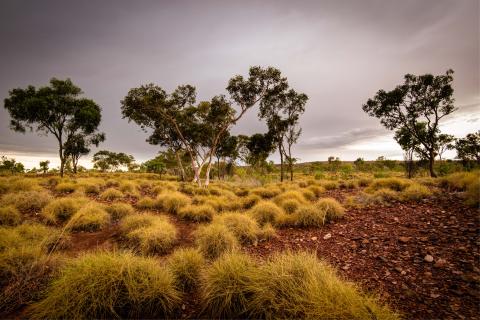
(338, 52)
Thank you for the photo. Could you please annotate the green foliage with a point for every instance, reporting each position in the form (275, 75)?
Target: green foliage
(11, 166)
(107, 160)
(109, 285)
(468, 148)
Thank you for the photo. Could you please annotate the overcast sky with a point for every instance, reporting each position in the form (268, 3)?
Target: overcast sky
(337, 52)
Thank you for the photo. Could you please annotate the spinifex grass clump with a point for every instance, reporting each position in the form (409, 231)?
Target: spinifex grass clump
(109, 285)
(395, 184)
(24, 274)
(111, 194)
(215, 239)
(245, 228)
(333, 210)
(148, 234)
(119, 210)
(172, 202)
(197, 213)
(9, 216)
(186, 265)
(265, 212)
(62, 209)
(26, 201)
(300, 286)
(415, 192)
(227, 287)
(33, 234)
(66, 187)
(92, 217)
(145, 203)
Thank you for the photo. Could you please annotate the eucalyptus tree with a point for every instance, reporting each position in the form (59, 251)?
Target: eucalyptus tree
(468, 148)
(56, 109)
(79, 145)
(105, 160)
(416, 106)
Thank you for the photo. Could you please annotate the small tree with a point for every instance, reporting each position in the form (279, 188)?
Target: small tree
(156, 165)
(417, 106)
(11, 165)
(228, 148)
(79, 144)
(44, 166)
(259, 146)
(56, 109)
(107, 160)
(468, 148)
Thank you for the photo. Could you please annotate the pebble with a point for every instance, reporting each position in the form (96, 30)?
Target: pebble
(428, 258)
(327, 236)
(314, 238)
(404, 239)
(440, 263)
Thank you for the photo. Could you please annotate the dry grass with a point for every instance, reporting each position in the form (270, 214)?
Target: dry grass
(395, 184)
(415, 192)
(197, 213)
(9, 216)
(186, 265)
(249, 201)
(62, 209)
(92, 217)
(66, 187)
(245, 228)
(172, 202)
(146, 203)
(111, 194)
(215, 239)
(33, 235)
(118, 211)
(265, 212)
(332, 208)
(27, 200)
(109, 285)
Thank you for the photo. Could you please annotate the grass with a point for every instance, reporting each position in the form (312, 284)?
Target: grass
(214, 240)
(289, 196)
(472, 194)
(186, 265)
(148, 234)
(333, 210)
(145, 203)
(172, 202)
(415, 192)
(26, 201)
(66, 187)
(197, 213)
(92, 217)
(249, 201)
(308, 216)
(266, 192)
(109, 285)
(111, 194)
(226, 287)
(25, 273)
(118, 211)
(9, 216)
(33, 235)
(395, 184)
(298, 285)
(62, 209)
(265, 212)
(245, 228)
(459, 181)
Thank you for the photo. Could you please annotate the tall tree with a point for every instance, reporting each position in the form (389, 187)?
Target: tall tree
(108, 160)
(417, 106)
(57, 109)
(79, 144)
(468, 148)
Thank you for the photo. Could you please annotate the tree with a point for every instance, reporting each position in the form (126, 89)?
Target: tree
(444, 143)
(417, 106)
(468, 148)
(56, 109)
(155, 165)
(44, 166)
(11, 165)
(259, 146)
(79, 145)
(227, 148)
(107, 160)
(409, 145)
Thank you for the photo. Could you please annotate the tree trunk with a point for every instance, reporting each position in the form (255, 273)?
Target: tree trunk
(431, 160)
(180, 165)
(291, 161)
(207, 174)
(281, 162)
(74, 163)
(218, 168)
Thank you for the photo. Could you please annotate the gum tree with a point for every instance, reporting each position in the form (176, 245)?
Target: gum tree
(57, 109)
(79, 145)
(416, 106)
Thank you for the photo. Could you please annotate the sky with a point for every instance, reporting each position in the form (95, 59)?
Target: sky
(340, 53)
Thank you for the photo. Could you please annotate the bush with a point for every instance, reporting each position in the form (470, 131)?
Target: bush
(26, 201)
(146, 203)
(333, 210)
(384, 195)
(172, 202)
(227, 287)
(395, 184)
(24, 274)
(186, 265)
(289, 196)
(308, 216)
(317, 190)
(298, 286)
(215, 239)
(111, 194)
(200, 213)
(265, 212)
(90, 218)
(61, 209)
(91, 189)
(244, 228)
(119, 210)
(472, 194)
(148, 234)
(9, 216)
(290, 206)
(415, 192)
(66, 187)
(249, 201)
(459, 181)
(110, 285)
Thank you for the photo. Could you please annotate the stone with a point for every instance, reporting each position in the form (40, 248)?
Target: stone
(327, 236)
(314, 238)
(428, 258)
(403, 239)
(440, 263)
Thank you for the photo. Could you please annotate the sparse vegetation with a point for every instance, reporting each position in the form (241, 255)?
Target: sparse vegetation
(26, 201)
(62, 209)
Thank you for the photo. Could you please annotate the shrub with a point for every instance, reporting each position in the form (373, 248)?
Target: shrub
(265, 212)
(109, 285)
(307, 216)
(90, 218)
(290, 206)
(173, 201)
(300, 286)
(415, 192)
(317, 190)
(249, 201)
(266, 193)
(9, 216)
(244, 228)
(227, 287)
(66, 187)
(459, 181)
(61, 209)
(186, 265)
(215, 239)
(24, 274)
(472, 195)
(333, 210)
(197, 213)
(119, 210)
(288, 196)
(111, 194)
(148, 234)
(27, 200)
(145, 203)
(395, 184)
